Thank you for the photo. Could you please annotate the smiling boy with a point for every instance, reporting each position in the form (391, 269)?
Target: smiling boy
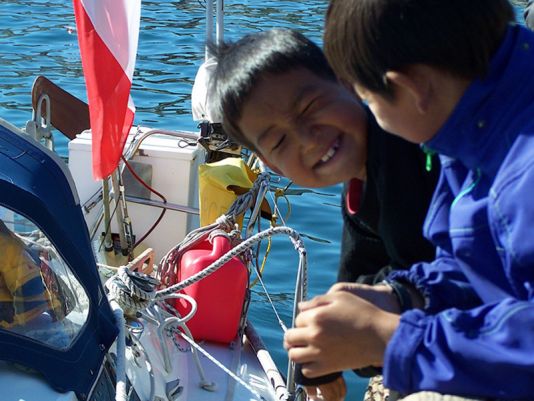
(302, 126)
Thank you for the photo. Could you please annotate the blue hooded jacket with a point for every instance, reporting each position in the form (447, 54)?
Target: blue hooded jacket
(475, 336)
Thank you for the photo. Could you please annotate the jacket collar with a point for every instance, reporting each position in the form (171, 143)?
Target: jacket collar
(488, 117)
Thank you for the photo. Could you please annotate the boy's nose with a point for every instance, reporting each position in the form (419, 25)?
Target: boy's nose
(309, 137)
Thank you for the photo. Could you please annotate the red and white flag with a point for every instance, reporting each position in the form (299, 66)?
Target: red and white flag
(108, 32)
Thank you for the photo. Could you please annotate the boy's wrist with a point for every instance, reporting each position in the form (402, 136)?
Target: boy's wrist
(406, 295)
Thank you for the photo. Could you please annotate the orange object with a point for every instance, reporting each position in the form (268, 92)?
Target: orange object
(220, 296)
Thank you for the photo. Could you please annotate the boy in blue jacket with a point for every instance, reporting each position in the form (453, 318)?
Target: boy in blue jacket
(457, 77)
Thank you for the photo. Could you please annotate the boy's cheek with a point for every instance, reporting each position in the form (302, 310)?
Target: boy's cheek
(276, 170)
(271, 164)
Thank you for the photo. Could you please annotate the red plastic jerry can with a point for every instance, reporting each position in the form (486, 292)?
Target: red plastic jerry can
(220, 296)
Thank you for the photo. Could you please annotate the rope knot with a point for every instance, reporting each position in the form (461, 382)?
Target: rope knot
(133, 291)
(218, 233)
(226, 222)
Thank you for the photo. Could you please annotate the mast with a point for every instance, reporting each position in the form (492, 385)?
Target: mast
(218, 25)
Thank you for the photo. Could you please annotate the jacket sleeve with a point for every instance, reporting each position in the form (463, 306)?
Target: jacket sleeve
(482, 352)
(487, 350)
(441, 283)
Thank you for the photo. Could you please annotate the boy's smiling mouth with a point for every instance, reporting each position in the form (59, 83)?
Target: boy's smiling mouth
(329, 153)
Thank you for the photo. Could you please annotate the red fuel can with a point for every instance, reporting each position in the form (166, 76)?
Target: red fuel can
(220, 296)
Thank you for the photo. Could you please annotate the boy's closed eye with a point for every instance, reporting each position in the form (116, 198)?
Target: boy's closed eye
(309, 106)
(278, 143)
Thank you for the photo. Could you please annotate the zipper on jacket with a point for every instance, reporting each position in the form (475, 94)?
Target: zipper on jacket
(469, 188)
(429, 154)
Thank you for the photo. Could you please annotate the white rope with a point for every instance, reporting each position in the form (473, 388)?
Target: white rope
(223, 222)
(237, 250)
(277, 210)
(280, 321)
(248, 199)
(168, 325)
(131, 290)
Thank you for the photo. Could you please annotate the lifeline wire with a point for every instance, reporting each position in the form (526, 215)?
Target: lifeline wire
(280, 322)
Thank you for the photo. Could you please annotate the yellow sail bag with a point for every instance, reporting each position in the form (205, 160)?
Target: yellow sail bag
(219, 184)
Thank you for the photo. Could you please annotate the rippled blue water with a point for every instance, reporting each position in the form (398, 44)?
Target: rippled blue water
(37, 37)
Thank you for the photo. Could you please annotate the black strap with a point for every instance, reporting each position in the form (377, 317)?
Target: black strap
(401, 293)
(316, 381)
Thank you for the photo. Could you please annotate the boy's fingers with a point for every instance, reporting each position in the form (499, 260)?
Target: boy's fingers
(303, 355)
(342, 287)
(296, 337)
(312, 392)
(313, 303)
(354, 288)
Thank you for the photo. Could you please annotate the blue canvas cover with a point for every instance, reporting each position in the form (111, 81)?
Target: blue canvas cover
(35, 183)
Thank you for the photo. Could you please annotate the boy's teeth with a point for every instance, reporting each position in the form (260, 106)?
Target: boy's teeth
(331, 152)
(328, 155)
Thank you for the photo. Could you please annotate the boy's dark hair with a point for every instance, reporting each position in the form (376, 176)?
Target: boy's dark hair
(242, 64)
(364, 39)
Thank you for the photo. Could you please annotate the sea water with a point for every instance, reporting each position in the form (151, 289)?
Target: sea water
(38, 37)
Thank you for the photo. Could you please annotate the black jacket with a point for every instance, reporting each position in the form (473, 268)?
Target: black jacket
(386, 231)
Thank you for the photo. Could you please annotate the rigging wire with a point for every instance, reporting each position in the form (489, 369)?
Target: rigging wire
(164, 200)
(259, 271)
(108, 226)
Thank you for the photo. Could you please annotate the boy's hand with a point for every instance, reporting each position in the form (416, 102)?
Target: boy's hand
(333, 391)
(380, 295)
(339, 331)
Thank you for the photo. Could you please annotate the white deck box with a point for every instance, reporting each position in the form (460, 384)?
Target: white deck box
(170, 167)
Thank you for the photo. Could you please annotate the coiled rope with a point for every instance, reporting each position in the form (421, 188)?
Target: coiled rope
(136, 291)
(133, 291)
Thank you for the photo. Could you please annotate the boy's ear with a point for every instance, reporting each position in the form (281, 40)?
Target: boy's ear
(348, 86)
(417, 84)
(268, 164)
